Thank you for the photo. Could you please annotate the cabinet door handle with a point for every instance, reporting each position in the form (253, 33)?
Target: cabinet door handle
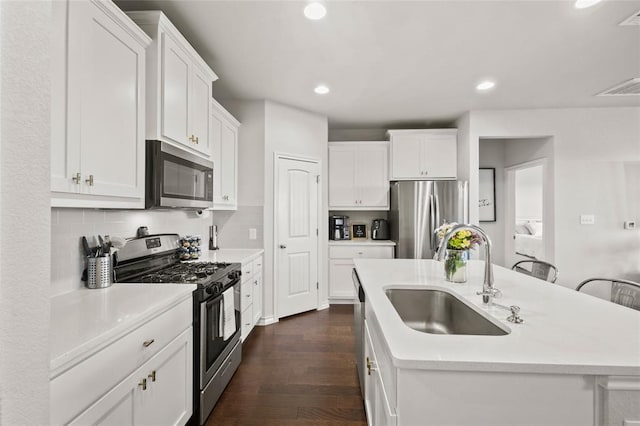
(283, 246)
(152, 376)
(143, 384)
(255, 282)
(90, 180)
(197, 140)
(370, 366)
(247, 295)
(148, 343)
(76, 178)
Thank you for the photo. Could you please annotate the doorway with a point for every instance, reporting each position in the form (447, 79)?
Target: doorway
(296, 194)
(527, 234)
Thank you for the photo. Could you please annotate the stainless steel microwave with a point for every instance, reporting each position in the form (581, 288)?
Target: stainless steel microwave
(176, 178)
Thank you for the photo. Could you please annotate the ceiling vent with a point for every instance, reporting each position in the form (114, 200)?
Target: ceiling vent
(632, 20)
(627, 88)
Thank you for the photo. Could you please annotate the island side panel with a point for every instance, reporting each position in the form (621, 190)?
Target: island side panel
(497, 399)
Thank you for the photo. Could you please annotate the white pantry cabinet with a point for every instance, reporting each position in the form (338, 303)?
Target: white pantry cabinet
(429, 154)
(359, 175)
(145, 377)
(341, 255)
(251, 295)
(178, 86)
(224, 147)
(98, 106)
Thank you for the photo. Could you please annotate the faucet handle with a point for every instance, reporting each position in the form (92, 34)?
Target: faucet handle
(514, 317)
(492, 292)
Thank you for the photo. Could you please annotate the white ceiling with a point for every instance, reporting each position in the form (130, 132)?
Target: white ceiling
(412, 63)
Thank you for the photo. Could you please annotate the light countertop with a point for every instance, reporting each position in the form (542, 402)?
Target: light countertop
(87, 320)
(230, 255)
(564, 332)
(363, 242)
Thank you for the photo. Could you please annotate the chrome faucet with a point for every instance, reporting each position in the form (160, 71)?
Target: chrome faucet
(488, 291)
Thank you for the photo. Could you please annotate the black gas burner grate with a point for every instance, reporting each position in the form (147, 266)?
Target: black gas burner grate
(192, 272)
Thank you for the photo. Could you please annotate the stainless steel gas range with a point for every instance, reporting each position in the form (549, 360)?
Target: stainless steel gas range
(217, 349)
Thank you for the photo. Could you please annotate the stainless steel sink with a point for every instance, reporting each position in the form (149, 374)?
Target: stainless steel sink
(439, 312)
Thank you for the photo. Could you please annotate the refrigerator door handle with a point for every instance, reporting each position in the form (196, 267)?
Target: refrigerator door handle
(432, 215)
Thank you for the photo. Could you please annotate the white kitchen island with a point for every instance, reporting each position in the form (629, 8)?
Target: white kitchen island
(574, 361)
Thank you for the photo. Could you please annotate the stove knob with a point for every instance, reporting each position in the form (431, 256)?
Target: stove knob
(233, 275)
(209, 290)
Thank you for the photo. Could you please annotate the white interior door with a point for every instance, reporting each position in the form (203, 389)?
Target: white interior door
(297, 236)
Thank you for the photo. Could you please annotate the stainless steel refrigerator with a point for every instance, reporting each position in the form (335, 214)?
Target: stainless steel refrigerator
(418, 208)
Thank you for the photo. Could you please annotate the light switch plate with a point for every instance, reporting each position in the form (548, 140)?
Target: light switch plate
(252, 234)
(630, 224)
(587, 219)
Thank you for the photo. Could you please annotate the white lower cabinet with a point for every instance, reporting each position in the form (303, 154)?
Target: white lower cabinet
(341, 263)
(143, 378)
(376, 400)
(251, 295)
(159, 392)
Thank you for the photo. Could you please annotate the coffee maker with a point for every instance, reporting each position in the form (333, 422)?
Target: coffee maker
(338, 228)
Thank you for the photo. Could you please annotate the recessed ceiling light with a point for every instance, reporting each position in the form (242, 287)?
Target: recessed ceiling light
(583, 4)
(315, 11)
(321, 89)
(485, 85)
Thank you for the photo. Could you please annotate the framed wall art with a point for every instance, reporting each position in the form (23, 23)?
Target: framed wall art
(487, 195)
(358, 231)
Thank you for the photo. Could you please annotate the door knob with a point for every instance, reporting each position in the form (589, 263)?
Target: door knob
(282, 246)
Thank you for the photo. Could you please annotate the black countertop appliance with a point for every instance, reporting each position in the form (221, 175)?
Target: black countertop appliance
(380, 229)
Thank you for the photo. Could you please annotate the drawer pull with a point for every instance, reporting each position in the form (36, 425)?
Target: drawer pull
(152, 376)
(247, 295)
(148, 343)
(143, 384)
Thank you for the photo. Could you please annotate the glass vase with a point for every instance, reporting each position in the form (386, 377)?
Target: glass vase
(455, 265)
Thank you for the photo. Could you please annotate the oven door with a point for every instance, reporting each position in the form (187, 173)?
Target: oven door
(176, 178)
(213, 347)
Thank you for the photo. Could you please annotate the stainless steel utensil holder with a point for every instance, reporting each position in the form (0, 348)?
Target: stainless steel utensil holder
(99, 272)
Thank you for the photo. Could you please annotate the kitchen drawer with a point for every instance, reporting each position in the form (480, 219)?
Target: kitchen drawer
(247, 321)
(247, 270)
(83, 384)
(351, 252)
(246, 298)
(257, 265)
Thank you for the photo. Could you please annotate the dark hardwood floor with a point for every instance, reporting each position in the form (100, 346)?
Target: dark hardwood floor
(299, 371)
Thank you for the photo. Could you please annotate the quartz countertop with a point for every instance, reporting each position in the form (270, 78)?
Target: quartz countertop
(87, 320)
(230, 255)
(363, 242)
(564, 332)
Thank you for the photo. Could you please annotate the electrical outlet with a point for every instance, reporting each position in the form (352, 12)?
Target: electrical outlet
(630, 224)
(253, 234)
(587, 219)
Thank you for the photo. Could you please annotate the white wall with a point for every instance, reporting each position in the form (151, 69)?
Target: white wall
(292, 131)
(529, 194)
(24, 211)
(492, 154)
(592, 150)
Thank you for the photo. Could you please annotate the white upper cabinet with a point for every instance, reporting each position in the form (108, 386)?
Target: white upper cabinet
(359, 175)
(98, 107)
(224, 148)
(178, 86)
(429, 154)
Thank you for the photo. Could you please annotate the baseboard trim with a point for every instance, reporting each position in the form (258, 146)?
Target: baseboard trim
(323, 306)
(341, 301)
(266, 321)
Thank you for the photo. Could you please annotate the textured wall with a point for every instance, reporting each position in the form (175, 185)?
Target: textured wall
(24, 211)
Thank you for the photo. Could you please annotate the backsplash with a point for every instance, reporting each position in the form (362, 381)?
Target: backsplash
(69, 225)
